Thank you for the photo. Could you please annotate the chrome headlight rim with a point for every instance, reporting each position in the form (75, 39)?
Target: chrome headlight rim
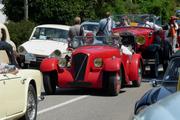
(22, 50)
(140, 40)
(62, 62)
(98, 62)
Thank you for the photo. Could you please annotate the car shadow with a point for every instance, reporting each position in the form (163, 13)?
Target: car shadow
(81, 91)
(147, 77)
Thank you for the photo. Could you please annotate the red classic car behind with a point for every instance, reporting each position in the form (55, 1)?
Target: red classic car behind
(155, 50)
(98, 65)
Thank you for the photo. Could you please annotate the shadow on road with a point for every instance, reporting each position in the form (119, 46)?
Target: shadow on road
(81, 91)
(148, 78)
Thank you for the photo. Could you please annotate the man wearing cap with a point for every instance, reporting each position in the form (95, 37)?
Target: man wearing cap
(173, 32)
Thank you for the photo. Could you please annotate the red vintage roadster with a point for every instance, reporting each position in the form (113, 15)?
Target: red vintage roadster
(96, 62)
(155, 50)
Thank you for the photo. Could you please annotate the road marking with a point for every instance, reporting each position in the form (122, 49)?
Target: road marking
(61, 104)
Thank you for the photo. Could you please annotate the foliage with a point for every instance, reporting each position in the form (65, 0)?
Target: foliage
(63, 12)
(20, 31)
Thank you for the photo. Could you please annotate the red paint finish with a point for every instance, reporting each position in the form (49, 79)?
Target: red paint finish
(113, 61)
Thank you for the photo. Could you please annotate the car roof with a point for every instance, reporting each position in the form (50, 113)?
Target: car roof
(58, 26)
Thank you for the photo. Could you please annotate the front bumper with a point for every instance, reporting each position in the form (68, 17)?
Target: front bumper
(30, 63)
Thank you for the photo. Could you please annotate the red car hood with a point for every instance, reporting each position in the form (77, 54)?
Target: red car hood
(135, 30)
(96, 49)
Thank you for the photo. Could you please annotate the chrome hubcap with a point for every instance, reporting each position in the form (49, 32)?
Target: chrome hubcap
(31, 107)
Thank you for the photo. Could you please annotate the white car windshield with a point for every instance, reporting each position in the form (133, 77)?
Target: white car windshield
(54, 34)
(91, 27)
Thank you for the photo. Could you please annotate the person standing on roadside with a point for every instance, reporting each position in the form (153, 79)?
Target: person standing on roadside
(173, 32)
(105, 25)
(76, 29)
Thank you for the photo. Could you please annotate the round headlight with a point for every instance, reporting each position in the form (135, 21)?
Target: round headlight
(21, 49)
(56, 53)
(140, 40)
(62, 62)
(98, 62)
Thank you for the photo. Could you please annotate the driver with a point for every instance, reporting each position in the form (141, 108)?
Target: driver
(147, 23)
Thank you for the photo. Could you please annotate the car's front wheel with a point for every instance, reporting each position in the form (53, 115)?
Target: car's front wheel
(114, 83)
(31, 110)
(155, 66)
(137, 83)
(49, 84)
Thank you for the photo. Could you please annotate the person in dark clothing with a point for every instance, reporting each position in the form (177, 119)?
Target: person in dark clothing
(8, 48)
(76, 29)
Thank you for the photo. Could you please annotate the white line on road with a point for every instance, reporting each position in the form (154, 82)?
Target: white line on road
(61, 104)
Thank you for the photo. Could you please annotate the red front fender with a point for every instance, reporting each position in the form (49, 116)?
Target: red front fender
(49, 64)
(133, 70)
(112, 64)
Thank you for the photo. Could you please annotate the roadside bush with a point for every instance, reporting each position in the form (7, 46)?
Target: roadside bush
(20, 31)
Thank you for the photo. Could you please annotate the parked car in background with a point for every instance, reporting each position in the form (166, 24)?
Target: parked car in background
(97, 62)
(48, 40)
(90, 26)
(169, 85)
(165, 109)
(19, 93)
(155, 50)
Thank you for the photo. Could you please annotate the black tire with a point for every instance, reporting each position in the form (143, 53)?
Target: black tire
(31, 110)
(154, 67)
(165, 65)
(114, 83)
(167, 54)
(49, 84)
(137, 83)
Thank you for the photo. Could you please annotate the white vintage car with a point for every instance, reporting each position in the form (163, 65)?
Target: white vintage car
(19, 93)
(48, 40)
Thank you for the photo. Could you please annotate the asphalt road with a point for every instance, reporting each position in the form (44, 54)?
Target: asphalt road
(80, 104)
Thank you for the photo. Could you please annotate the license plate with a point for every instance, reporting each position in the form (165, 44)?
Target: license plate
(29, 58)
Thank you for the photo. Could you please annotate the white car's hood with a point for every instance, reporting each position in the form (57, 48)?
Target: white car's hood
(44, 47)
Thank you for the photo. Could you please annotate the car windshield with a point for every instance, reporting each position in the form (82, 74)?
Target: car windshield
(90, 27)
(135, 20)
(94, 40)
(172, 72)
(54, 34)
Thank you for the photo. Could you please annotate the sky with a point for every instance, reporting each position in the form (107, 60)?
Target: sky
(2, 16)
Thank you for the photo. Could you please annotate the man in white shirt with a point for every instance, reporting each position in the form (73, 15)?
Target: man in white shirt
(152, 25)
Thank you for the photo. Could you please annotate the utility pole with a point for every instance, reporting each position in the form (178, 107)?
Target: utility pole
(26, 9)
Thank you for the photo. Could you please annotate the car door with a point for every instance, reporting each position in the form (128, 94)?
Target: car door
(15, 93)
(2, 96)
